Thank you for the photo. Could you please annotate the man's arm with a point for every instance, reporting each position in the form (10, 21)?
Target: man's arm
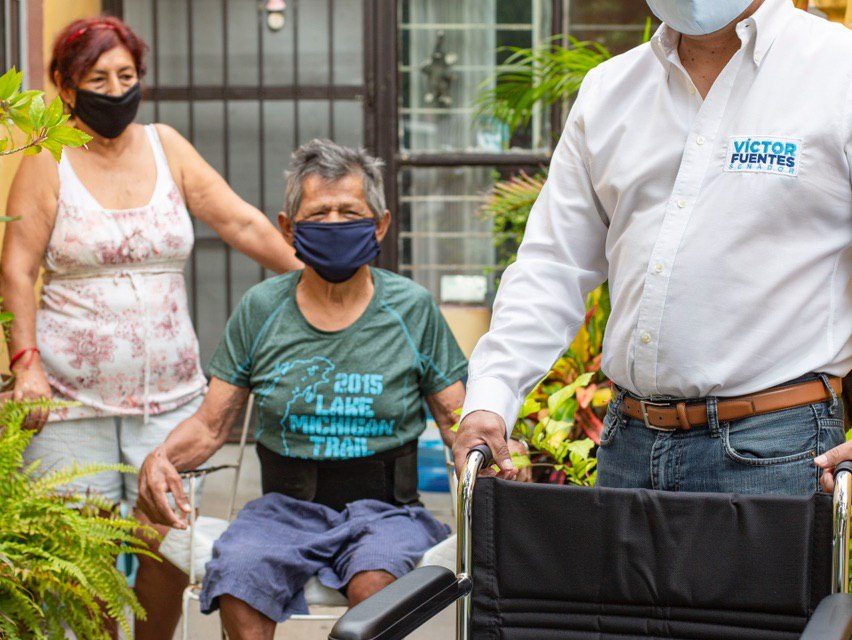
(540, 305)
(188, 446)
(443, 406)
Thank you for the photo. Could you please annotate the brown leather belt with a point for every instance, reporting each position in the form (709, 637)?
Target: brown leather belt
(669, 416)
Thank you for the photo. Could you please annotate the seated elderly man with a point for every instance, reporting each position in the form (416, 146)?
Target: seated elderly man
(341, 357)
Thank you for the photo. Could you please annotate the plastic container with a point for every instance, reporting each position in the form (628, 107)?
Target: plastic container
(431, 466)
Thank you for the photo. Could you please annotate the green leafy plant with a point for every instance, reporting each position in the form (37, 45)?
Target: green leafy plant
(58, 549)
(29, 126)
(561, 420)
(535, 77)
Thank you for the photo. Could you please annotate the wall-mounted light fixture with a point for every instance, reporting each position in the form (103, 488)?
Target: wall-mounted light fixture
(275, 18)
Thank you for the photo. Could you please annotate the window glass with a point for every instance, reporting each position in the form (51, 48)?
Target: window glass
(447, 50)
(442, 233)
(616, 24)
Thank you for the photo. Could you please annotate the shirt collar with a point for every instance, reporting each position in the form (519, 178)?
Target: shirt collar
(767, 23)
(664, 45)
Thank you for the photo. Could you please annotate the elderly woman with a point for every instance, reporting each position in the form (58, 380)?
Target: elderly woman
(110, 224)
(341, 357)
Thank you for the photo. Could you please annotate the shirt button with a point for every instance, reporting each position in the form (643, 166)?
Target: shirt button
(658, 268)
(646, 338)
(681, 203)
(692, 89)
(700, 140)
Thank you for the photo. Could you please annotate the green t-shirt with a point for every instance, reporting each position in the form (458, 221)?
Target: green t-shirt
(339, 394)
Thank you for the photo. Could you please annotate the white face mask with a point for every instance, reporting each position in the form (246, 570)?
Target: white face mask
(698, 17)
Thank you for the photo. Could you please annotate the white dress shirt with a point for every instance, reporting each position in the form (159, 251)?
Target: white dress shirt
(724, 225)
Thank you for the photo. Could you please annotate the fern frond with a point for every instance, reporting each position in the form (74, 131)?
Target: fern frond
(58, 548)
(56, 479)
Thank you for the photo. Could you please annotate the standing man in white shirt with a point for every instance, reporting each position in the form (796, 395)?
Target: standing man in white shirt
(706, 174)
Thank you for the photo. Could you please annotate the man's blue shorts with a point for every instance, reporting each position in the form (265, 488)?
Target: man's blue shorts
(277, 543)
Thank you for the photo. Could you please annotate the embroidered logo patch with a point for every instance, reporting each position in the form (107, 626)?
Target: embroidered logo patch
(763, 155)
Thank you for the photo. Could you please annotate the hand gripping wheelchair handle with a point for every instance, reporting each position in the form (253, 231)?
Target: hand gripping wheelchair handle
(488, 459)
(846, 465)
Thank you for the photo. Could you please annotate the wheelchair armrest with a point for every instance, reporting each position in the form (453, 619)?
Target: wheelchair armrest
(402, 606)
(832, 619)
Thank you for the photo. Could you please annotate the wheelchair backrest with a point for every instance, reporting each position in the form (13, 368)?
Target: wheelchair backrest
(578, 563)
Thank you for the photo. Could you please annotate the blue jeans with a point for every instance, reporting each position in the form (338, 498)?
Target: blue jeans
(769, 453)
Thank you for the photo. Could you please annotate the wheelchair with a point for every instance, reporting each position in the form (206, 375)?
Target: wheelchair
(541, 562)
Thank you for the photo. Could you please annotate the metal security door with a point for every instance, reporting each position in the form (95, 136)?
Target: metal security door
(247, 83)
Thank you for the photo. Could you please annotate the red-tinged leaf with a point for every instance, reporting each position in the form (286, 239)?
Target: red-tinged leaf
(556, 477)
(586, 419)
(585, 395)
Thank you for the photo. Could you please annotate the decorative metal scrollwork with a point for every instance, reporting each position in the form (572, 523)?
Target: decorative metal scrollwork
(439, 75)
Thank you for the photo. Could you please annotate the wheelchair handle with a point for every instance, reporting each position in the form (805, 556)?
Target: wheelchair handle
(842, 508)
(485, 450)
(846, 465)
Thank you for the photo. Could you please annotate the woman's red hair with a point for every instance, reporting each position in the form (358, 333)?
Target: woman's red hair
(80, 44)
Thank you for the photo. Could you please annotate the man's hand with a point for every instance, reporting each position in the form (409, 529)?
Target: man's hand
(157, 478)
(484, 427)
(831, 459)
(519, 448)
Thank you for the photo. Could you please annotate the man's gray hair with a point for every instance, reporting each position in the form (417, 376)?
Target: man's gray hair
(333, 162)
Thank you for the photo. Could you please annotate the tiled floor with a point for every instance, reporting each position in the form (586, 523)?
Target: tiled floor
(214, 503)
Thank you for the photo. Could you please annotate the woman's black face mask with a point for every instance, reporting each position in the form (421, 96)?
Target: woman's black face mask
(336, 250)
(108, 116)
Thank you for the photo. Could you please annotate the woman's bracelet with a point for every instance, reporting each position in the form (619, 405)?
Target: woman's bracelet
(14, 359)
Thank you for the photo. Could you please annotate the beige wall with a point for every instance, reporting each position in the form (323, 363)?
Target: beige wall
(836, 10)
(468, 324)
(55, 15)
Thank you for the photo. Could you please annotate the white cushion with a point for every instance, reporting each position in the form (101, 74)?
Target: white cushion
(175, 544)
(442, 554)
(318, 595)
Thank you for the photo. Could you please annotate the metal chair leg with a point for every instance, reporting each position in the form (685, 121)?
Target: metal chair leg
(187, 596)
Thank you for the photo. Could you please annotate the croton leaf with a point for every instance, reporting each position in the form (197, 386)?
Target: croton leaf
(568, 391)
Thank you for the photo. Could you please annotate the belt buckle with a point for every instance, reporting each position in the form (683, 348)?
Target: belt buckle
(645, 403)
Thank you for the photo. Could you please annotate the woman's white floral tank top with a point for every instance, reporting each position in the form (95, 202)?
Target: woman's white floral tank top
(113, 326)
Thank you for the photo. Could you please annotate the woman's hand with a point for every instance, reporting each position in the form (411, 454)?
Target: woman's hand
(831, 459)
(31, 384)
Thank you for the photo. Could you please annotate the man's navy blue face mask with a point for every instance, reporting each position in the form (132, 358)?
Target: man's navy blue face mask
(336, 250)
